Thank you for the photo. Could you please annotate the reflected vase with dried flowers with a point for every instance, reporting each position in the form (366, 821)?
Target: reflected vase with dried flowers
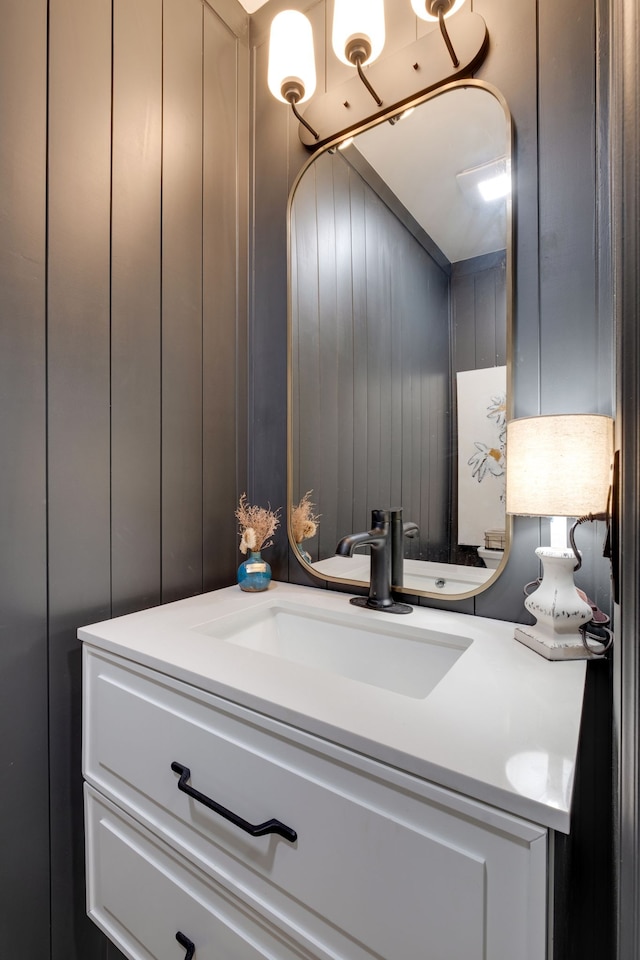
(257, 526)
(304, 523)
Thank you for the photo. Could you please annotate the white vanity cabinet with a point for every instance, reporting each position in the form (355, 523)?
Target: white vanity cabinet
(370, 862)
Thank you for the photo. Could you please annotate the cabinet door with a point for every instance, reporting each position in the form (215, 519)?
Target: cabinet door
(142, 895)
(383, 865)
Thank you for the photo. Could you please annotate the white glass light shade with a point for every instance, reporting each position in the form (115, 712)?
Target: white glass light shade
(358, 18)
(559, 466)
(420, 9)
(291, 55)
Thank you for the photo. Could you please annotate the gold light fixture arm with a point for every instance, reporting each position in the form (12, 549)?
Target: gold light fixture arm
(358, 52)
(302, 120)
(442, 6)
(293, 91)
(367, 84)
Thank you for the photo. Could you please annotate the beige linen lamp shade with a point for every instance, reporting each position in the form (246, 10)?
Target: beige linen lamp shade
(559, 466)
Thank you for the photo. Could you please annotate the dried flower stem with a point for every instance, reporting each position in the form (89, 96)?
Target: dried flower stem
(257, 525)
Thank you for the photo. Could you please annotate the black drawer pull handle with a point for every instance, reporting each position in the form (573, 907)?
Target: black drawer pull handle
(256, 830)
(187, 944)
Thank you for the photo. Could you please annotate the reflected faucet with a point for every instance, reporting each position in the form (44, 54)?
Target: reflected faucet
(381, 541)
(399, 531)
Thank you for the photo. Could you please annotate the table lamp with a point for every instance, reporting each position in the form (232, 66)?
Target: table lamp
(559, 466)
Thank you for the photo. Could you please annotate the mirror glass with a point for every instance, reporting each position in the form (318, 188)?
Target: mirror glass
(400, 305)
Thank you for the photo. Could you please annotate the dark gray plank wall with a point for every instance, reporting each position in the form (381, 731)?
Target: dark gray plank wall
(136, 245)
(123, 242)
(182, 300)
(370, 309)
(78, 428)
(24, 825)
(224, 264)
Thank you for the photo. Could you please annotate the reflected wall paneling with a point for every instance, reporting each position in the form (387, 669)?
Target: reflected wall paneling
(329, 422)
(374, 307)
(24, 826)
(346, 353)
(123, 241)
(357, 506)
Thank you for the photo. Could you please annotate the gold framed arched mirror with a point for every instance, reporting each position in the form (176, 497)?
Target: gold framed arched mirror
(400, 303)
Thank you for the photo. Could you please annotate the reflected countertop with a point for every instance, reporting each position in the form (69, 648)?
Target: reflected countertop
(421, 575)
(502, 726)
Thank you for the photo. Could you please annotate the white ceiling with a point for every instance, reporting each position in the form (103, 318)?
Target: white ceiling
(252, 5)
(419, 158)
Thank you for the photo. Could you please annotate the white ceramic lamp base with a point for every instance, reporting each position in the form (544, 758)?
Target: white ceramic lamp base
(559, 610)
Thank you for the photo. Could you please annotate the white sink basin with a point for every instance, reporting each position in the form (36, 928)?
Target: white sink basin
(361, 645)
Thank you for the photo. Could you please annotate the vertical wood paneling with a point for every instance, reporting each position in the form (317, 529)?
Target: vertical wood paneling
(24, 827)
(370, 314)
(135, 304)
(224, 248)
(78, 421)
(182, 490)
(568, 304)
(80, 418)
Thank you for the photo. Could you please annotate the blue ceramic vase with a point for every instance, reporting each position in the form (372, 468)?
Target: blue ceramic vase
(254, 574)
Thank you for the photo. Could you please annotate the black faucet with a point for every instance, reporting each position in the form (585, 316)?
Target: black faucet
(380, 540)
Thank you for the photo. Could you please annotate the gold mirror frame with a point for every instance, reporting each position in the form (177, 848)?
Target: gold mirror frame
(510, 205)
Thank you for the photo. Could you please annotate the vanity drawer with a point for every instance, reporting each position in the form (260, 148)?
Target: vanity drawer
(141, 894)
(376, 870)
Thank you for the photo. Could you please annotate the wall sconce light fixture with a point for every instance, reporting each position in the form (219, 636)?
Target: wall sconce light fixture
(358, 35)
(292, 64)
(358, 38)
(560, 466)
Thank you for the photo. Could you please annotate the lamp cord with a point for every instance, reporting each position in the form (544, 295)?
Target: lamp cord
(588, 518)
(600, 621)
(604, 636)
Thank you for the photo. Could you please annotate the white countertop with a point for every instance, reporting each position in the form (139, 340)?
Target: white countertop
(501, 727)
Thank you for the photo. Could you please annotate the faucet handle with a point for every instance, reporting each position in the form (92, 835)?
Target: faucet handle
(380, 519)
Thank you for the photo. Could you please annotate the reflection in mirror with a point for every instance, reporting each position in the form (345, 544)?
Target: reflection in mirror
(399, 333)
